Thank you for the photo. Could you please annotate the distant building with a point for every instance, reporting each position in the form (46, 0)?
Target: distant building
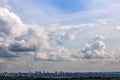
(38, 74)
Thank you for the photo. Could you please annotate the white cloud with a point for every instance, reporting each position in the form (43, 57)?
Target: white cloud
(69, 32)
(117, 28)
(97, 50)
(104, 21)
(18, 39)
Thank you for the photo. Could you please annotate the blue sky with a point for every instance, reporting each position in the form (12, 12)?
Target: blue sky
(56, 10)
(66, 6)
(61, 11)
(42, 33)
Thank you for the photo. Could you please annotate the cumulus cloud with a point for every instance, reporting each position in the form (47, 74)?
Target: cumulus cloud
(55, 54)
(17, 37)
(45, 43)
(10, 24)
(96, 50)
(10, 27)
(69, 32)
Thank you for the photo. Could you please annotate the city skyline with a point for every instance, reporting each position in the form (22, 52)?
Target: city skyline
(59, 35)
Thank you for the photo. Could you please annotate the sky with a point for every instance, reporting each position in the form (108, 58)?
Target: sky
(59, 35)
